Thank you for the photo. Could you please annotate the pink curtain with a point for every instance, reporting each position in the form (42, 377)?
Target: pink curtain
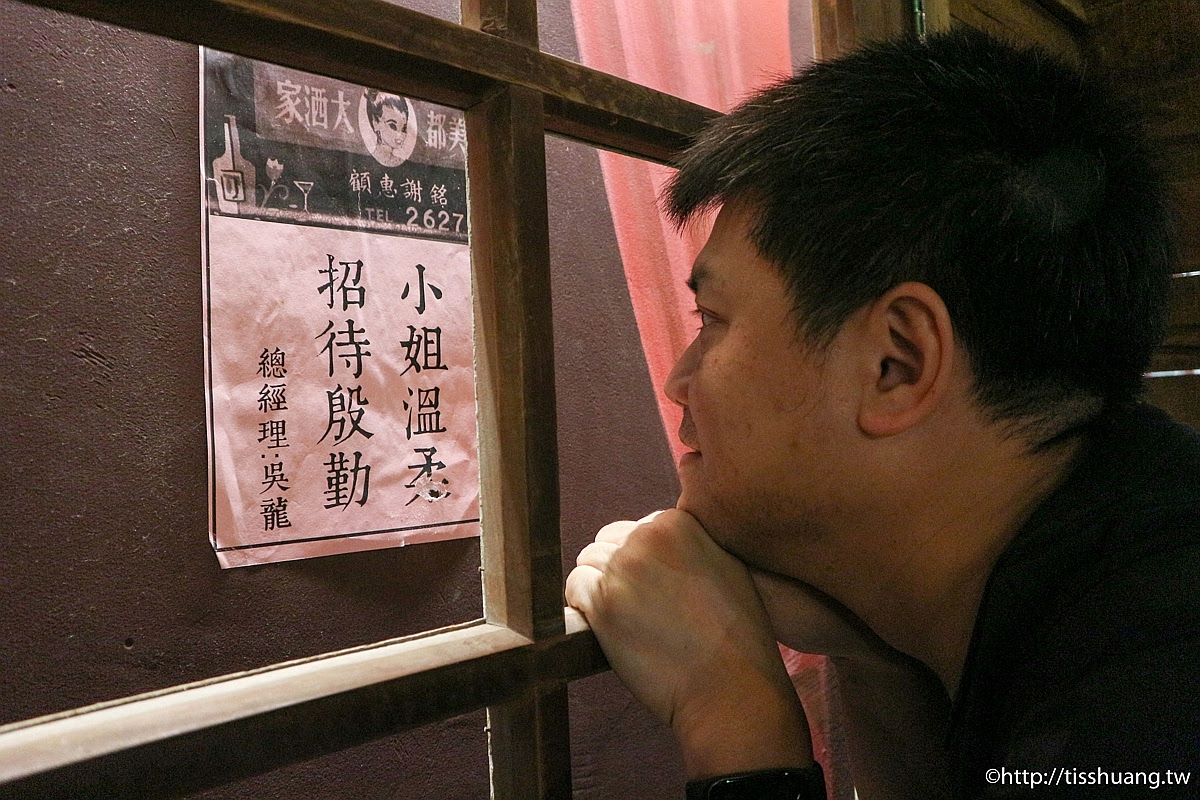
(713, 53)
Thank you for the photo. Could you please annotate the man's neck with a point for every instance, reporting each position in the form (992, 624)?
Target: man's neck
(919, 577)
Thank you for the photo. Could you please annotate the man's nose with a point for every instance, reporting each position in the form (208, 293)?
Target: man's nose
(677, 382)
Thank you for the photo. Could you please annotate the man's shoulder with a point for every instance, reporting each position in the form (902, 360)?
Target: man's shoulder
(1113, 565)
(1139, 439)
(1140, 454)
(1133, 492)
(1089, 629)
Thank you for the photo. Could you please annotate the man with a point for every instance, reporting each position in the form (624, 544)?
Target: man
(937, 276)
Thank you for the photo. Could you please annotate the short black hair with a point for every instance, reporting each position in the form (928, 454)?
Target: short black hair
(1013, 185)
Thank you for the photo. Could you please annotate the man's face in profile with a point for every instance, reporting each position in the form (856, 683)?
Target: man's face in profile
(759, 404)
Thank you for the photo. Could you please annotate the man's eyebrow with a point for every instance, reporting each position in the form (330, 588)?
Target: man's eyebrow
(699, 275)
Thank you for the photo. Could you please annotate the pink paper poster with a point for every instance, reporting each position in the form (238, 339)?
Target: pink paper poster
(338, 321)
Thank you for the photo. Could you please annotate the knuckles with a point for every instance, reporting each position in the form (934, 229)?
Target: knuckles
(630, 558)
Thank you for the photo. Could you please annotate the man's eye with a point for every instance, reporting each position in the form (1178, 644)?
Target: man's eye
(705, 317)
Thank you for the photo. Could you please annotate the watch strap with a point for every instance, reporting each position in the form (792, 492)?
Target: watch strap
(806, 783)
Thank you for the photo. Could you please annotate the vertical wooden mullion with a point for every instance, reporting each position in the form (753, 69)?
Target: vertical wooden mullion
(522, 561)
(506, 167)
(515, 20)
(522, 572)
(529, 746)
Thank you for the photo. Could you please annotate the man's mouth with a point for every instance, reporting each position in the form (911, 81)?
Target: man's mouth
(687, 432)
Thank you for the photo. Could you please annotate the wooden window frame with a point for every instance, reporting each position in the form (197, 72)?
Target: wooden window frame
(516, 661)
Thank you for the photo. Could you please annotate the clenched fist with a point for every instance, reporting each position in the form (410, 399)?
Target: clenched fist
(684, 628)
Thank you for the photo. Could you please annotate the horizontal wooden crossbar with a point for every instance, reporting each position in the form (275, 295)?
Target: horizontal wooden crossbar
(379, 44)
(200, 735)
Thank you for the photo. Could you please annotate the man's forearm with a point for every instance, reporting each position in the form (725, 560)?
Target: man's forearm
(895, 715)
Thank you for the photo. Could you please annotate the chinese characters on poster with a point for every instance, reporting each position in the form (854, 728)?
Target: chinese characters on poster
(338, 316)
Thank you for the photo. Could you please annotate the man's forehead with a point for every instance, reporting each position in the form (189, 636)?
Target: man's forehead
(728, 248)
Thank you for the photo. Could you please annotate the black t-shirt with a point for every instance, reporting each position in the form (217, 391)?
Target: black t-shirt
(1083, 674)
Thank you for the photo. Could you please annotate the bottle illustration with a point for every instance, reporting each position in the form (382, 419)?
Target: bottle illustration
(234, 174)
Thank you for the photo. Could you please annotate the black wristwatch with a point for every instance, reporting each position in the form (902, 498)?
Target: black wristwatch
(769, 784)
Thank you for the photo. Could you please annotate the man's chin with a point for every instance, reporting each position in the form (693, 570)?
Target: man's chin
(692, 497)
(710, 514)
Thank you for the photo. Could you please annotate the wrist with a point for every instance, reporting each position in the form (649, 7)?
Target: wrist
(744, 732)
(777, 784)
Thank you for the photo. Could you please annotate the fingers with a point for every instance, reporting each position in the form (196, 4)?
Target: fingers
(597, 555)
(584, 581)
(582, 585)
(616, 532)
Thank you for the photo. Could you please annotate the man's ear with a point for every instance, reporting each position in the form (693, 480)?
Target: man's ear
(909, 342)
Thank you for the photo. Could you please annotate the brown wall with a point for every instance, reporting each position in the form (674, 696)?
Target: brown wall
(1152, 47)
(1020, 20)
(108, 584)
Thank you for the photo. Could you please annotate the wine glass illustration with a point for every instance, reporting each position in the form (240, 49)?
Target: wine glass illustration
(305, 187)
